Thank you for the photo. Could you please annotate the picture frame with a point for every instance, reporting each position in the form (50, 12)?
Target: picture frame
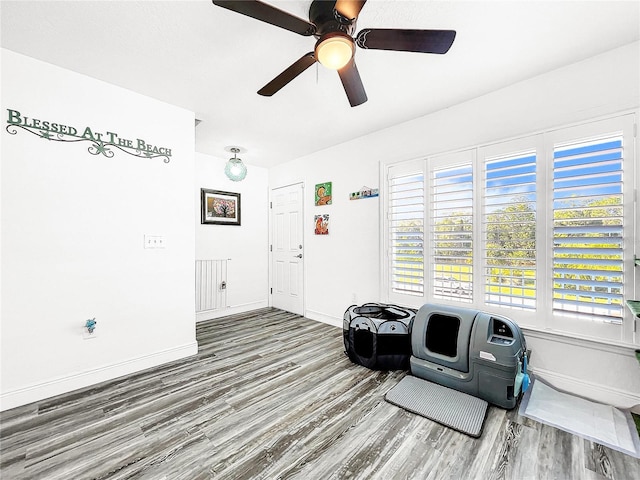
(323, 194)
(321, 223)
(219, 208)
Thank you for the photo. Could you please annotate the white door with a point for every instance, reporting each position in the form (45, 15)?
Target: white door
(287, 259)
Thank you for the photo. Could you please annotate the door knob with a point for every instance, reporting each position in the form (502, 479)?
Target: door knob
(298, 256)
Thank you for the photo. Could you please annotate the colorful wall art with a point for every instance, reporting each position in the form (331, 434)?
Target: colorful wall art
(322, 224)
(219, 208)
(365, 192)
(323, 194)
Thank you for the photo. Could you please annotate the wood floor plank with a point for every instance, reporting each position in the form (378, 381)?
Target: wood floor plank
(554, 444)
(271, 395)
(608, 463)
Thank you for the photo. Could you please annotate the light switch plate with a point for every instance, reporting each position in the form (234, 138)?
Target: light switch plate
(154, 241)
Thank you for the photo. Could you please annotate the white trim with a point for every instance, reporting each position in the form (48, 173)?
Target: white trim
(590, 343)
(302, 185)
(490, 143)
(57, 386)
(594, 391)
(383, 215)
(409, 167)
(231, 310)
(543, 317)
(324, 318)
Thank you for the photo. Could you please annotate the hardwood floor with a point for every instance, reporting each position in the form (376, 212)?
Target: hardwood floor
(271, 395)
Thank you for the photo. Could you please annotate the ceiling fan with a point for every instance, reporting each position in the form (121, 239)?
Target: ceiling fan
(333, 23)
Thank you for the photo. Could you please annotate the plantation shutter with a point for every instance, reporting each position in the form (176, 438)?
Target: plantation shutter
(406, 230)
(509, 231)
(451, 203)
(546, 224)
(588, 222)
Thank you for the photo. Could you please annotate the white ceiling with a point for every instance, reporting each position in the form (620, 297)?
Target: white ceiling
(212, 61)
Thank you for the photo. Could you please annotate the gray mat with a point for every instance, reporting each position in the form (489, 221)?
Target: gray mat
(449, 407)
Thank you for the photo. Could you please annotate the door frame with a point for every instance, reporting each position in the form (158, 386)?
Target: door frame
(304, 242)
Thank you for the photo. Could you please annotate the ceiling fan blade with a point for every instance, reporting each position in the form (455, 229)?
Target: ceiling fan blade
(425, 41)
(266, 13)
(349, 9)
(289, 74)
(352, 84)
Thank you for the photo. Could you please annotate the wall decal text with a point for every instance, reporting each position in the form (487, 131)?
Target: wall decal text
(101, 142)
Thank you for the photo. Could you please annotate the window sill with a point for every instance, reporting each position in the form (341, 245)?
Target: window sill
(620, 348)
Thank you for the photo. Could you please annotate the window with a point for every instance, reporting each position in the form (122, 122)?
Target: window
(451, 196)
(540, 228)
(406, 220)
(509, 230)
(588, 255)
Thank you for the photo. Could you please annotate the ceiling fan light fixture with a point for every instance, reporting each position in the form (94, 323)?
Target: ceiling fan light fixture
(235, 170)
(334, 50)
(334, 24)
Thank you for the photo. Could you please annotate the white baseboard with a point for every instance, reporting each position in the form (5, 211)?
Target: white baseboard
(57, 386)
(593, 391)
(231, 310)
(324, 318)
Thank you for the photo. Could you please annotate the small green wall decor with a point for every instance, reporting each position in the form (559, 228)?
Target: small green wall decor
(323, 194)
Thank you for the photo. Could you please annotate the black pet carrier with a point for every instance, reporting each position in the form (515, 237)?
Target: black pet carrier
(378, 336)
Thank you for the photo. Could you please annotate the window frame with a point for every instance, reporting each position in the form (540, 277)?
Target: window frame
(533, 143)
(574, 324)
(451, 160)
(542, 318)
(388, 172)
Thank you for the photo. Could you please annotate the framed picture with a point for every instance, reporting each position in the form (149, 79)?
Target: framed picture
(323, 194)
(321, 224)
(219, 208)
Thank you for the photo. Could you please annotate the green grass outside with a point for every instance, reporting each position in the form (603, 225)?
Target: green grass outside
(462, 273)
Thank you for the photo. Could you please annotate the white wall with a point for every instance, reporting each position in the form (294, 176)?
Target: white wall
(246, 245)
(73, 225)
(342, 268)
(349, 259)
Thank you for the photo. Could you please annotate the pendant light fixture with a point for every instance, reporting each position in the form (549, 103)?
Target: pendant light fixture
(235, 170)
